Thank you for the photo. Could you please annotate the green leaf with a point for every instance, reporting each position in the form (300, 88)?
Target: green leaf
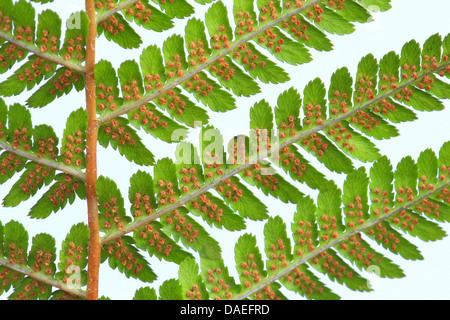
(123, 255)
(145, 293)
(123, 138)
(65, 189)
(148, 17)
(112, 214)
(117, 29)
(74, 140)
(192, 285)
(73, 256)
(170, 290)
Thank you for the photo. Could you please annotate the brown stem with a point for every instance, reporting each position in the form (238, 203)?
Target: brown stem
(91, 158)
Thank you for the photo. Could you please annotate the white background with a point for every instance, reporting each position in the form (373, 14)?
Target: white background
(411, 19)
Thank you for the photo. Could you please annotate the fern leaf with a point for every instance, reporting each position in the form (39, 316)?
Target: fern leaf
(310, 245)
(145, 293)
(192, 285)
(220, 284)
(123, 255)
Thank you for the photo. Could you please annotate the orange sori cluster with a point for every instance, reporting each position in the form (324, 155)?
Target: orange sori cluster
(222, 69)
(63, 190)
(9, 163)
(340, 134)
(220, 289)
(155, 239)
(359, 249)
(142, 205)
(5, 22)
(167, 194)
(248, 57)
(339, 5)
(131, 90)
(364, 89)
(426, 206)
(277, 255)
(140, 12)
(239, 151)
(260, 175)
(296, 3)
(43, 259)
(445, 193)
(204, 204)
(250, 271)
(315, 145)
(6, 276)
(190, 179)
(220, 39)
(244, 23)
(126, 257)
(117, 132)
(355, 213)
(37, 69)
(29, 290)
(305, 240)
(62, 295)
(24, 33)
(35, 178)
(268, 11)
(213, 165)
(149, 118)
(332, 266)
(199, 83)
(112, 25)
(75, 46)
(152, 81)
(303, 281)
(380, 205)
(230, 190)
(408, 220)
(381, 234)
(111, 214)
(266, 294)
(10, 54)
(313, 114)
(109, 4)
(45, 42)
(295, 27)
(21, 139)
(194, 293)
(46, 146)
(197, 53)
(270, 37)
(16, 255)
(75, 255)
(175, 67)
(288, 158)
(364, 119)
(64, 80)
(384, 107)
(288, 128)
(106, 95)
(173, 101)
(404, 194)
(328, 226)
(315, 12)
(75, 147)
(180, 225)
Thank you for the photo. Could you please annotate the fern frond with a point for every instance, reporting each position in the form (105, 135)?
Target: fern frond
(32, 275)
(336, 121)
(219, 57)
(404, 214)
